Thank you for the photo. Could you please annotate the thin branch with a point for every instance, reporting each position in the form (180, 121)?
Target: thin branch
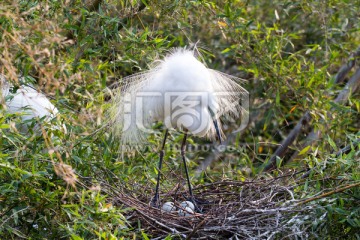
(347, 149)
(196, 228)
(280, 152)
(329, 193)
(351, 86)
(344, 150)
(212, 157)
(172, 230)
(345, 69)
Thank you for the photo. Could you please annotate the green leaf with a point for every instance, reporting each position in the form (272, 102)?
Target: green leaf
(76, 237)
(144, 236)
(332, 143)
(304, 150)
(4, 126)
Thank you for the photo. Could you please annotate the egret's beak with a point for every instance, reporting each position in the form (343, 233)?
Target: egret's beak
(217, 130)
(215, 124)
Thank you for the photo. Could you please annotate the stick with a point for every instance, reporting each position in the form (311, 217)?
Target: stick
(280, 152)
(347, 149)
(344, 150)
(345, 69)
(196, 228)
(212, 157)
(350, 86)
(172, 230)
(330, 193)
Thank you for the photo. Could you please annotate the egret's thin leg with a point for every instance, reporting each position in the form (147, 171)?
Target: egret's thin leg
(183, 148)
(217, 130)
(216, 125)
(155, 200)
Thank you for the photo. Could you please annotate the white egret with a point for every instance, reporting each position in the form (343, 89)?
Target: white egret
(181, 92)
(27, 101)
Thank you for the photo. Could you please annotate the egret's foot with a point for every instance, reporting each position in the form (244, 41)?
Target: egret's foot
(155, 202)
(197, 203)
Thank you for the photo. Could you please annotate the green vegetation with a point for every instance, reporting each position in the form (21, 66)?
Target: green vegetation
(56, 184)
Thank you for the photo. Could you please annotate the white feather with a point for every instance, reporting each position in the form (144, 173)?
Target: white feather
(4, 86)
(29, 102)
(180, 74)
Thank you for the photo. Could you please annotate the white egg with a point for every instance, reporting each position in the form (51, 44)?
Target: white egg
(187, 211)
(169, 207)
(187, 204)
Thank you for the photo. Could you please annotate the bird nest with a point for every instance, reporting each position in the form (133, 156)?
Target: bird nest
(258, 209)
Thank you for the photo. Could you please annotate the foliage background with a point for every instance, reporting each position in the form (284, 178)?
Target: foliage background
(289, 52)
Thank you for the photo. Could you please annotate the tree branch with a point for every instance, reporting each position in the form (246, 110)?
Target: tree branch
(344, 150)
(351, 86)
(329, 193)
(345, 69)
(281, 150)
(212, 157)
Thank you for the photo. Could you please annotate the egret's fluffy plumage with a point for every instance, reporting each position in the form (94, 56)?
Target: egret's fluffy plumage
(32, 104)
(202, 95)
(27, 101)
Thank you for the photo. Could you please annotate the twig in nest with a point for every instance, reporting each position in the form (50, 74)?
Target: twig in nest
(329, 193)
(254, 209)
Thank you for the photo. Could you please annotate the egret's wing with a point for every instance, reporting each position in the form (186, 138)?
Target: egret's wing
(229, 92)
(132, 122)
(123, 114)
(32, 103)
(231, 97)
